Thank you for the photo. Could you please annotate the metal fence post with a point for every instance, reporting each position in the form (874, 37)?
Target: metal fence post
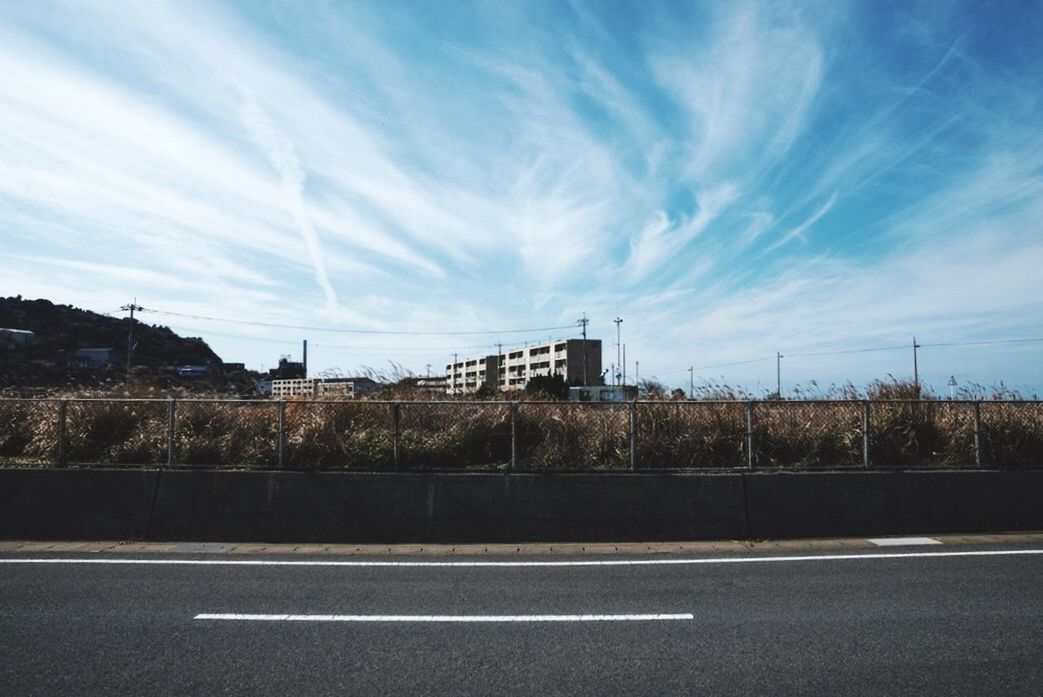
(62, 404)
(633, 437)
(977, 433)
(865, 433)
(514, 438)
(749, 434)
(395, 416)
(282, 432)
(170, 430)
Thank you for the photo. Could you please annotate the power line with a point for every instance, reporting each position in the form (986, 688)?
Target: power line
(728, 365)
(903, 347)
(983, 343)
(717, 365)
(412, 348)
(397, 332)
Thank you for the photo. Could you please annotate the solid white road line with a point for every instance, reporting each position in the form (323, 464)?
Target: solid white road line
(902, 541)
(444, 618)
(524, 564)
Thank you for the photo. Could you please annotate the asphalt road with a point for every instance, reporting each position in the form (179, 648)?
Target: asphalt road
(913, 625)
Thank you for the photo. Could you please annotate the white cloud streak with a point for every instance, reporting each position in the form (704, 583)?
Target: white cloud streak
(279, 151)
(799, 231)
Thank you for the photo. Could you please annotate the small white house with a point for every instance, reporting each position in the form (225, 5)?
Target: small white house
(15, 338)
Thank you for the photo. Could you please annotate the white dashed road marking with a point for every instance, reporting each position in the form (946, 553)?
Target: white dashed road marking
(445, 618)
(903, 541)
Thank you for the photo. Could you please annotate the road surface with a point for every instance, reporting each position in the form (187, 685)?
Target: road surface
(968, 621)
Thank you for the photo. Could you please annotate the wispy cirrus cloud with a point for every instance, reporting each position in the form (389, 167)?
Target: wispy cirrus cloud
(518, 164)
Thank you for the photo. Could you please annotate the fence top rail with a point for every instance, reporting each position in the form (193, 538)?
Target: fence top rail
(580, 404)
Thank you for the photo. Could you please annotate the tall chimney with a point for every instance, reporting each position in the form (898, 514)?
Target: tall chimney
(305, 360)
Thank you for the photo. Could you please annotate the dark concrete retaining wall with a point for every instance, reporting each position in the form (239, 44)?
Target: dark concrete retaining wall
(355, 507)
(386, 508)
(892, 503)
(75, 504)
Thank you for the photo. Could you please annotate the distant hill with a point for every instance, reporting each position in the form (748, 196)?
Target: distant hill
(62, 329)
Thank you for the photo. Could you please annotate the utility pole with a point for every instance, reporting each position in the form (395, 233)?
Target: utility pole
(130, 336)
(618, 322)
(501, 367)
(691, 382)
(583, 323)
(428, 370)
(452, 385)
(624, 364)
(778, 375)
(916, 369)
(637, 373)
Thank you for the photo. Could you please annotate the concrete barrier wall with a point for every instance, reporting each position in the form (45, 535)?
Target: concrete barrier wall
(75, 504)
(387, 508)
(892, 503)
(357, 507)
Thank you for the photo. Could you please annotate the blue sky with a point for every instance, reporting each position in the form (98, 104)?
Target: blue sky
(738, 178)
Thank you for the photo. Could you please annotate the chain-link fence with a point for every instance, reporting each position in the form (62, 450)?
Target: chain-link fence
(809, 435)
(30, 431)
(338, 435)
(684, 435)
(923, 434)
(451, 435)
(564, 436)
(526, 436)
(224, 433)
(124, 432)
(1011, 434)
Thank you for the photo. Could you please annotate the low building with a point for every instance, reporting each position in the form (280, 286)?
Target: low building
(328, 388)
(15, 338)
(346, 387)
(603, 393)
(577, 361)
(288, 370)
(95, 357)
(435, 384)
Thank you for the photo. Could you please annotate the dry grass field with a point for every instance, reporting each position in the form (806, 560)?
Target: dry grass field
(547, 436)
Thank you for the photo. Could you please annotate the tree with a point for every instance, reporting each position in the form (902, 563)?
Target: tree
(651, 389)
(549, 386)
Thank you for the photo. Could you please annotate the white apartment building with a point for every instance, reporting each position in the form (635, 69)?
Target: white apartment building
(512, 369)
(468, 375)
